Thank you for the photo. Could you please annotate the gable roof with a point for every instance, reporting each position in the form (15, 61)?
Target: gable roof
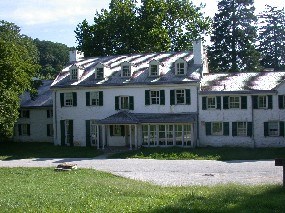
(140, 68)
(43, 98)
(250, 82)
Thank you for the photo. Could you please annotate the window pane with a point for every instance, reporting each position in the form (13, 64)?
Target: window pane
(124, 102)
(273, 128)
(100, 73)
(262, 101)
(68, 99)
(211, 103)
(234, 102)
(94, 97)
(154, 97)
(241, 129)
(153, 70)
(126, 71)
(180, 96)
(217, 128)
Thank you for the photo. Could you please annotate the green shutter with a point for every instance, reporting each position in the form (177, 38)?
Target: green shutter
(162, 97)
(70, 131)
(48, 130)
(226, 128)
(28, 129)
(131, 98)
(234, 128)
(266, 133)
(101, 98)
(172, 97)
(270, 103)
(48, 114)
(123, 130)
(226, 102)
(255, 101)
(62, 131)
(281, 101)
(188, 96)
(87, 98)
(88, 141)
(281, 130)
(111, 127)
(147, 97)
(243, 102)
(20, 129)
(249, 129)
(204, 103)
(208, 128)
(61, 99)
(74, 95)
(219, 105)
(117, 107)
(28, 113)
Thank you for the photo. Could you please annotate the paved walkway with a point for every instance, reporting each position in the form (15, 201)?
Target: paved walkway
(172, 172)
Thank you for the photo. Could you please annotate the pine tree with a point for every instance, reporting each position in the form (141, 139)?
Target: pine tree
(233, 39)
(272, 38)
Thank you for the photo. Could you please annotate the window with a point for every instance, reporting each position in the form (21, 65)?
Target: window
(49, 113)
(94, 98)
(24, 129)
(68, 99)
(234, 102)
(94, 132)
(211, 102)
(217, 128)
(241, 128)
(281, 101)
(117, 130)
(126, 71)
(24, 113)
(99, 73)
(124, 102)
(49, 130)
(74, 74)
(154, 97)
(180, 69)
(180, 97)
(273, 128)
(153, 70)
(262, 102)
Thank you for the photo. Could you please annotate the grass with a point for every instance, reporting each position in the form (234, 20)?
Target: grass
(83, 190)
(13, 150)
(222, 154)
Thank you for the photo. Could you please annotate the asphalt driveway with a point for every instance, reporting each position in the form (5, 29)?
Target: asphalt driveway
(172, 172)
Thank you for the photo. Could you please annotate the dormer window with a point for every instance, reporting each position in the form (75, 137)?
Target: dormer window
(153, 70)
(74, 74)
(126, 71)
(180, 67)
(99, 72)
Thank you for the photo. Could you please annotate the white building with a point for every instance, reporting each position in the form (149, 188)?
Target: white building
(35, 123)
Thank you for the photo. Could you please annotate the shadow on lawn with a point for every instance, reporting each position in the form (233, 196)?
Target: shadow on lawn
(231, 199)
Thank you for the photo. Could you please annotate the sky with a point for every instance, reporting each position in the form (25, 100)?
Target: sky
(56, 20)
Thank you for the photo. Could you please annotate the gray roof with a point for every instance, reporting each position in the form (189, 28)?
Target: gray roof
(140, 67)
(250, 82)
(43, 99)
(125, 117)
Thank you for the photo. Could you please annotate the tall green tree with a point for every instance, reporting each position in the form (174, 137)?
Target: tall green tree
(52, 58)
(18, 64)
(272, 38)
(233, 38)
(152, 26)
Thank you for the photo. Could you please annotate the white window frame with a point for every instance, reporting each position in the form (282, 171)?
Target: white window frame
(74, 74)
(154, 97)
(210, 104)
(219, 126)
(68, 99)
(124, 102)
(99, 70)
(50, 133)
(94, 98)
(234, 102)
(180, 92)
(241, 128)
(180, 70)
(262, 102)
(153, 70)
(126, 71)
(272, 130)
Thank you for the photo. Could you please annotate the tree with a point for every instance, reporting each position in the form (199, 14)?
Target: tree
(272, 38)
(233, 38)
(152, 26)
(18, 64)
(52, 58)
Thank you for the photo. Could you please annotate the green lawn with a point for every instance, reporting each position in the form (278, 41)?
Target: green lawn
(83, 190)
(12, 150)
(223, 154)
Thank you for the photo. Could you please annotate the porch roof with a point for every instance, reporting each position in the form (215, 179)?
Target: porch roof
(125, 117)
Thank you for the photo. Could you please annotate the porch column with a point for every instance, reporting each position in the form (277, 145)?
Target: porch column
(136, 136)
(182, 134)
(97, 137)
(148, 135)
(193, 135)
(130, 136)
(104, 136)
